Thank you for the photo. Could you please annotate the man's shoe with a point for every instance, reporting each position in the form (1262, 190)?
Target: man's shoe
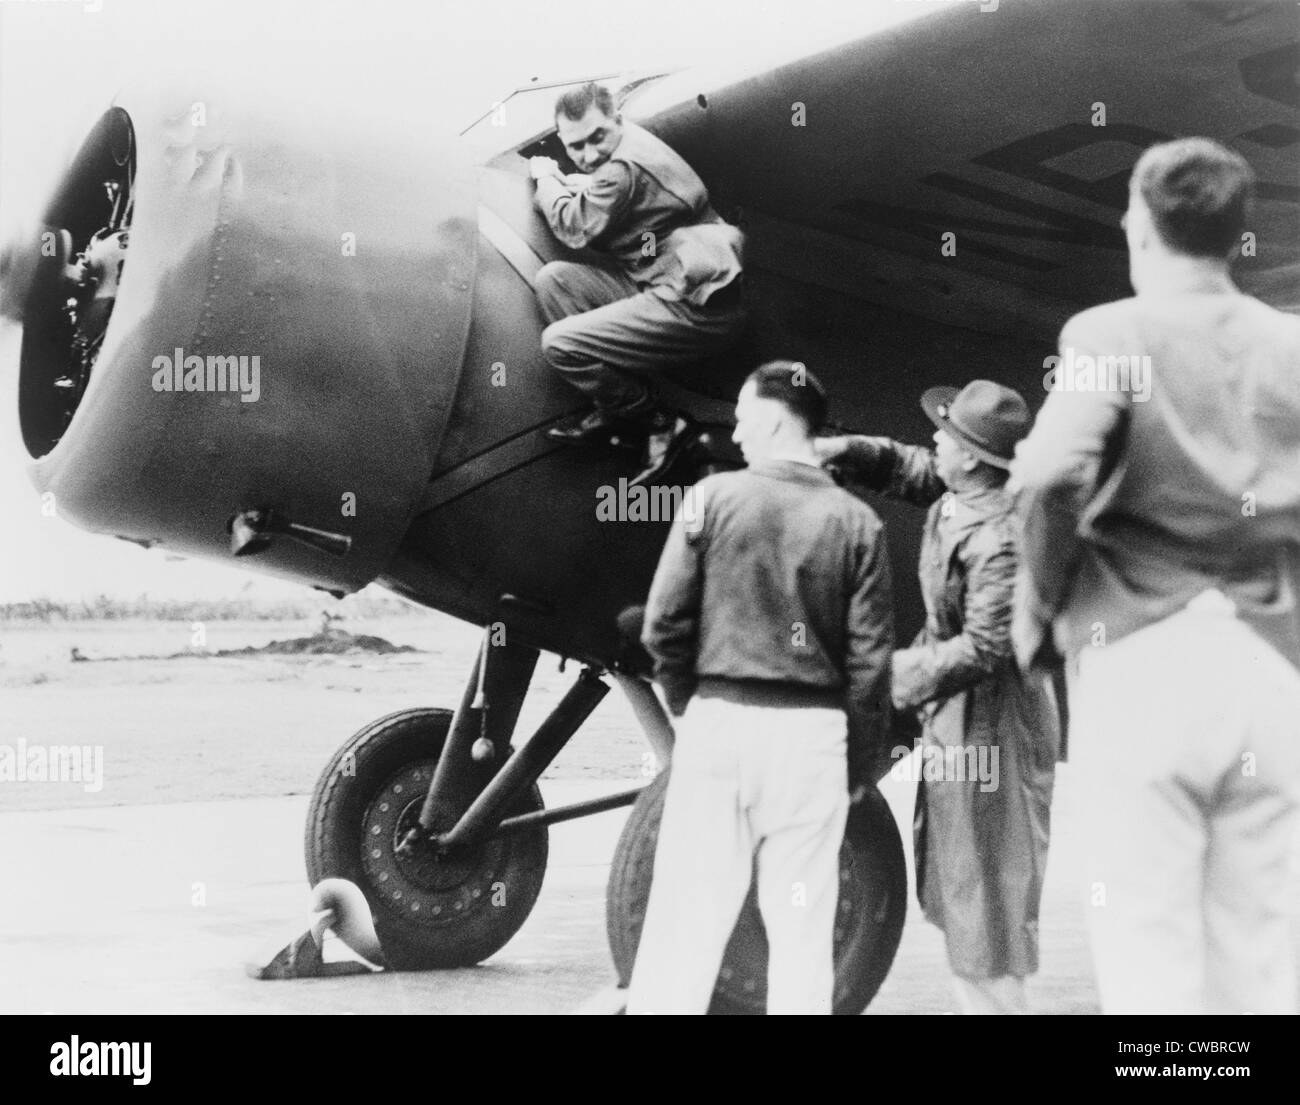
(592, 425)
(583, 427)
(667, 440)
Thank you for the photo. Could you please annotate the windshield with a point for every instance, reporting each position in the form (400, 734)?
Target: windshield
(527, 112)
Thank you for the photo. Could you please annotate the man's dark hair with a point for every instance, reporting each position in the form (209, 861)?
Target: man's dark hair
(1198, 192)
(573, 104)
(795, 388)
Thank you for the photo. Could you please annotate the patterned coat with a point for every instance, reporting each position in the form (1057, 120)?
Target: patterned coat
(990, 735)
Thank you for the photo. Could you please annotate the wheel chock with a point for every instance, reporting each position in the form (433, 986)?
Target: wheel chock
(338, 907)
(301, 958)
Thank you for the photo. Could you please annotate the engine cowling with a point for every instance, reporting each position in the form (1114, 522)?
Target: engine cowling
(284, 345)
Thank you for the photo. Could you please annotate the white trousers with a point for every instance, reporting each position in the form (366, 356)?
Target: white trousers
(991, 996)
(1186, 742)
(748, 782)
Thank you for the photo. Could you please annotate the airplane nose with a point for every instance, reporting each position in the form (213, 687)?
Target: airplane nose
(255, 363)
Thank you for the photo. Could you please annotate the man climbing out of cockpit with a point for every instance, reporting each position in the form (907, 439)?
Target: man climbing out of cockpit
(669, 293)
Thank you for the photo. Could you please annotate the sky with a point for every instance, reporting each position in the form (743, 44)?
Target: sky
(62, 62)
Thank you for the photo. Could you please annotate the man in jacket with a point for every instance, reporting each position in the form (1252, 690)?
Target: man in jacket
(771, 625)
(670, 294)
(1162, 556)
(990, 736)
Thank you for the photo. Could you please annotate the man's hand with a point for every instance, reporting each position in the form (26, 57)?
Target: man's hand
(897, 678)
(859, 450)
(541, 167)
(830, 448)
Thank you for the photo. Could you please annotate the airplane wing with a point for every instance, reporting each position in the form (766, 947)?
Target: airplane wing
(971, 166)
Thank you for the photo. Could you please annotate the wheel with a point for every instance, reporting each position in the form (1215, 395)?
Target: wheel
(872, 906)
(430, 910)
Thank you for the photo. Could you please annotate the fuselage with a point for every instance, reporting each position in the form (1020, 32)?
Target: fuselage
(381, 288)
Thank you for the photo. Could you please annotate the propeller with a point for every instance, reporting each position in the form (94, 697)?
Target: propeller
(44, 258)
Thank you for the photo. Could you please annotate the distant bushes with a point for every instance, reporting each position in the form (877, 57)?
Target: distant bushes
(143, 608)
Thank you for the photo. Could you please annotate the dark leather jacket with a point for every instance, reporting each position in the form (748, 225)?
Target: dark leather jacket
(776, 581)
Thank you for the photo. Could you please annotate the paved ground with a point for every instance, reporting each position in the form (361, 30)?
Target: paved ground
(152, 891)
(156, 908)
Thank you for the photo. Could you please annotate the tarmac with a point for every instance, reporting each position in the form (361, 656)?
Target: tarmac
(157, 909)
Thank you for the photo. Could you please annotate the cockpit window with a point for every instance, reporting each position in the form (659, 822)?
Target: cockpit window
(522, 114)
(529, 113)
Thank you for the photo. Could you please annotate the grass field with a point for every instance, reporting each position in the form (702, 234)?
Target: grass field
(197, 727)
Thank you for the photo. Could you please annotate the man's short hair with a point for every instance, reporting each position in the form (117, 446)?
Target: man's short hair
(573, 104)
(795, 388)
(1198, 192)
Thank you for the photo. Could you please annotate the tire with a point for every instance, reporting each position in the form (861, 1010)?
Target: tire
(871, 911)
(429, 911)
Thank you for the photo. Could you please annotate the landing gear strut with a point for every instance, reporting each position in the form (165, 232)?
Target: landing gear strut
(440, 823)
(439, 820)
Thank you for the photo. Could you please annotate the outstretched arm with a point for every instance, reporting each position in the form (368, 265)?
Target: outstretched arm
(881, 464)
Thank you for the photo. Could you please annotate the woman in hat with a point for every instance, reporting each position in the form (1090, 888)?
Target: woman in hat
(990, 734)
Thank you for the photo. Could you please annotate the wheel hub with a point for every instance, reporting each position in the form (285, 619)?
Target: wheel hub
(748, 944)
(418, 880)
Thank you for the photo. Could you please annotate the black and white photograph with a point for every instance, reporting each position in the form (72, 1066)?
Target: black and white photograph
(686, 507)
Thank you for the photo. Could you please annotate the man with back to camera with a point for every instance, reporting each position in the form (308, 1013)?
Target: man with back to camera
(771, 625)
(671, 292)
(1162, 556)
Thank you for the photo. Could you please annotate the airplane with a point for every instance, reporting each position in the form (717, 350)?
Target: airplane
(924, 204)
